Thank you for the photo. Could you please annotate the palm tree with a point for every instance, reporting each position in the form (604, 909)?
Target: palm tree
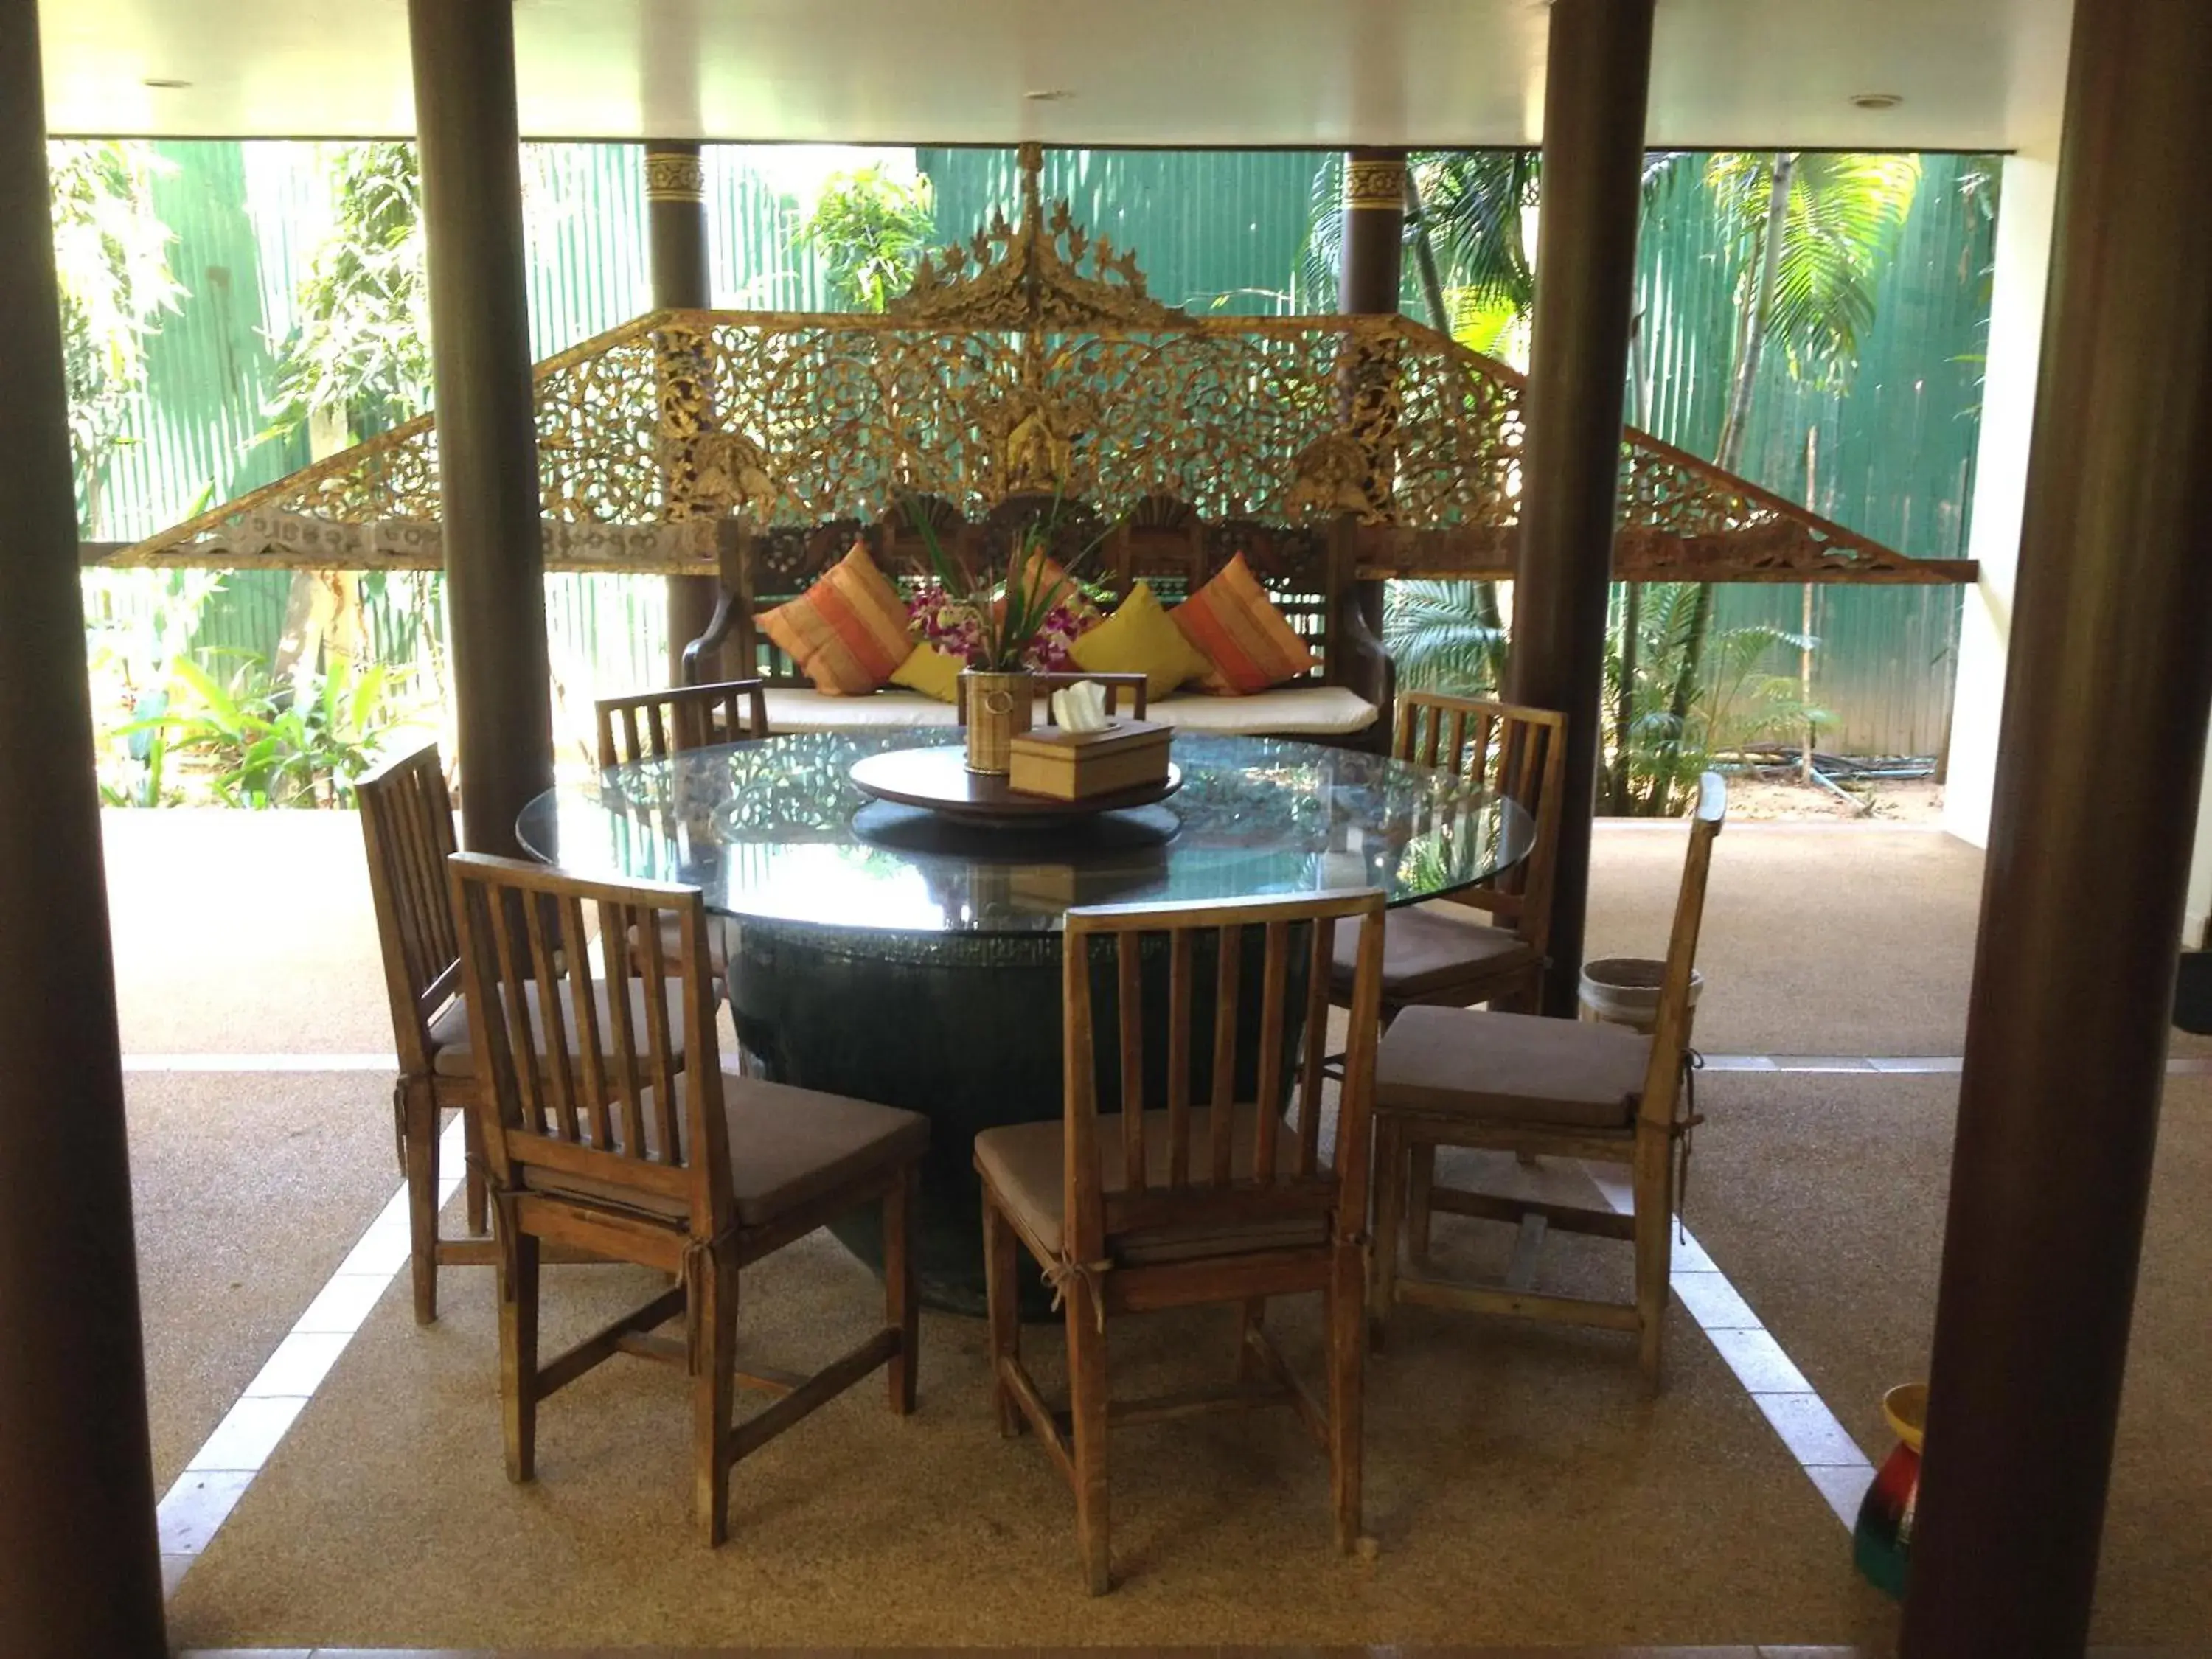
(1810, 231)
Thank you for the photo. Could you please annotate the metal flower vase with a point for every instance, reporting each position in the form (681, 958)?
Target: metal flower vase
(997, 706)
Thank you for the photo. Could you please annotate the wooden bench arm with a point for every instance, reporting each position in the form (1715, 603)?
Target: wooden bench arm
(720, 627)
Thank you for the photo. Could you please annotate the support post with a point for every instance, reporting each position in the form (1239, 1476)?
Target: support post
(79, 1568)
(683, 280)
(2100, 750)
(1596, 79)
(465, 117)
(1369, 267)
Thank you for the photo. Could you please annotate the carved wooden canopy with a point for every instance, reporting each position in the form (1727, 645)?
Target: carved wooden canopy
(1029, 360)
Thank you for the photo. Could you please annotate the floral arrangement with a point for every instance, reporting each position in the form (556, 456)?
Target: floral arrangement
(1024, 616)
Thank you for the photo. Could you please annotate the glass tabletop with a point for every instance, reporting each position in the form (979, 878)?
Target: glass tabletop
(776, 830)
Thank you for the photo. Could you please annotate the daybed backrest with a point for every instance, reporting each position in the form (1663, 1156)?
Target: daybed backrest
(1307, 572)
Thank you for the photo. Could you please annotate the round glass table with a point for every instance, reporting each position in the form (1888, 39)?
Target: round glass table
(880, 951)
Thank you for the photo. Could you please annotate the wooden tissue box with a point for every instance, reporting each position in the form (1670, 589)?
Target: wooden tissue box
(1075, 765)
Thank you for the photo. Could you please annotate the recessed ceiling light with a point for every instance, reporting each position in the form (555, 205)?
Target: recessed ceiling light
(1050, 95)
(162, 83)
(1876, 99)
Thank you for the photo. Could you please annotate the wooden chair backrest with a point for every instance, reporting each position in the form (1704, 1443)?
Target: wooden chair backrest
(1517, 753)
(654, 725)
(407, 823)
(1662, 1080)
(1199, 1188)
(1120, 688)
(610, 1112)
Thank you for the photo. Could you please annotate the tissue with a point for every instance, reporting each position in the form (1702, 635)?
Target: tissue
(1081, 707)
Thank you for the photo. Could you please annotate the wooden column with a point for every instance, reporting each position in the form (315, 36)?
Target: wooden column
(1598, 68)
(464, 116)
(675, 223)
(2096, 791)
(79, 1571)
(1369, 261)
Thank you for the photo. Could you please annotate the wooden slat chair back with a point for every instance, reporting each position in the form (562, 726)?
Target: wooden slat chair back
(1519, 753)
(407, 825)
(619, 1145)
(1123, 691)
(1187, 1028)
(1586, 1091)
(654, 725)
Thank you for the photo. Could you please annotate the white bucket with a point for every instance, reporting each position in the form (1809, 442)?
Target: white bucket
(1625, 990)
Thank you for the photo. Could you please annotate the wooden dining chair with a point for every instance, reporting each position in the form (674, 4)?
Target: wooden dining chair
(1465, 1077)
(617, 1146)
(407, 825)
(1439, 953)
(1165, 1202)
(654, 725)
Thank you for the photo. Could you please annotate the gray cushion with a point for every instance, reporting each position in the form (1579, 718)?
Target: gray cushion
(1462, 1062)
(787, 1147)
(453, 1053)
(1024, 1163)
(1432, 948)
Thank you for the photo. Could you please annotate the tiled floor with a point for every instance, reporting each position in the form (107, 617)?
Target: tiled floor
(1763, 1652)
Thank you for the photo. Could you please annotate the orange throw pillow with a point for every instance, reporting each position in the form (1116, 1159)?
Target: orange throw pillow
(1236, 627)
(847, 632)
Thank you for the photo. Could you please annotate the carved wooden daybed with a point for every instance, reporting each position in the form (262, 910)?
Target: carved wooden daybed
(1307, 571)
(1027, 364)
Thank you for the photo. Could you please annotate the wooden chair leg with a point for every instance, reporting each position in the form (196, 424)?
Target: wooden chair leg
(1251, 1365)
(518, 1355)
(901, 1300)
(420, 1136)
(475, 1194)
(1347, 1376)
(1001, 1294)
(1389, 1211)
(713, 1388)
(1086, 1378)
(1652, 1183)
(1420, 1178)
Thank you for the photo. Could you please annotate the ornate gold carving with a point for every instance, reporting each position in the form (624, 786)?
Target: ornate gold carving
(674, 176)
(1031, 365)
(1370, 184)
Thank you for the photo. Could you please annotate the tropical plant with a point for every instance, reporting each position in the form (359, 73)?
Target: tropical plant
(128, 658)
(1653, 755)
(262, 745)
(362, 347)
(871, 231)
(1444, 636)
(111, 259)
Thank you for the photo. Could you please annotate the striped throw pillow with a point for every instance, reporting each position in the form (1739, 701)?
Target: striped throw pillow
(847, 632)
(1236, 627)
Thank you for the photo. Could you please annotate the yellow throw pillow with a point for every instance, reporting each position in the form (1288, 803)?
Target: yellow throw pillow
(847, 632)
(1249, 645)
(933, 672)
(1140, 638)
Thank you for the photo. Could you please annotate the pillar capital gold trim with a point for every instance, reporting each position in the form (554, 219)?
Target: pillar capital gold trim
(1372, 183)
(674, 176)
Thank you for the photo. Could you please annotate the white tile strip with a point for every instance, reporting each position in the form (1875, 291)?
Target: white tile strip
(190, 1512)
(1818, 1442)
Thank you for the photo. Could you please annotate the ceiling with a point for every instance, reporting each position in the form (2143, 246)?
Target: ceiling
(1739, 74)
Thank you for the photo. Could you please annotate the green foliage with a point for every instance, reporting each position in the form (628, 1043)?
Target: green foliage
(262, 745)
(110, 257)
(1441, 639)
(128, 658)
(1842, 218)
(362, 344)
(870, 230)
(1733, 701)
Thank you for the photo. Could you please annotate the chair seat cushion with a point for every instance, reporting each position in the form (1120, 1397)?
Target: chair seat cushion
(453, 1054)
(1024, 1164)
(1428, 949)
(672, 943)
(788, 1148)
(1516, 1068)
